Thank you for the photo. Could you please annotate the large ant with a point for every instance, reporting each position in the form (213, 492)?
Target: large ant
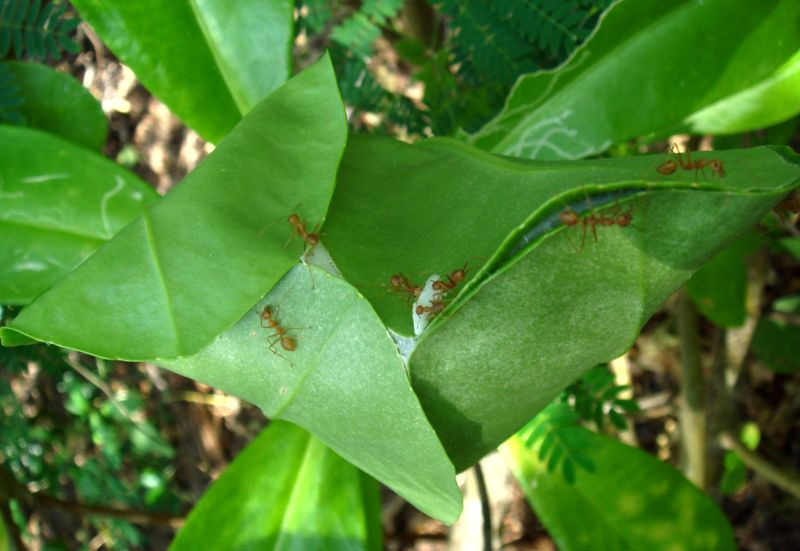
(312, 238)
(668, 167)
(571, 218)
(287, 343)
(453, 279)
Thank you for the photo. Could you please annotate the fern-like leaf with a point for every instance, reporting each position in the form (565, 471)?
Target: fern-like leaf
(559, 443)
(29, 28)
(10, 98)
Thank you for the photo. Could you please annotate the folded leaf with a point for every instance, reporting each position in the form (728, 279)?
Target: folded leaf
(192, 265)
(345, 383)
(649, 65)
(208, 61)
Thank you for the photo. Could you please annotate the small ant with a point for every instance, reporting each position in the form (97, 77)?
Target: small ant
(668, 167)
(402, 284)
(435, 308)
(280, 336)
(453, 279)
(312, 238)
(571, 218)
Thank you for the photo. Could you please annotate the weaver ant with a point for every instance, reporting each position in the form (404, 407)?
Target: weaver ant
(571, 218)
(453, 279)
(668, 167)
(436, 306)
(287, 343)
(402, 284)
(312, 238)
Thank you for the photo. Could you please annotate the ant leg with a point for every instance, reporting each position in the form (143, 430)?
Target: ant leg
(571, 242)
(274, 350)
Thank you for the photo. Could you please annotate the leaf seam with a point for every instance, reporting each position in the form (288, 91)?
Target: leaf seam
(154, 254)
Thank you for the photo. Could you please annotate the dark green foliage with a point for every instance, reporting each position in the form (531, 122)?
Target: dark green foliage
(595, 397)
(359, 30)
(10, 98)
(78, 434)
(30, 28)
(561, 443)
(314, 15)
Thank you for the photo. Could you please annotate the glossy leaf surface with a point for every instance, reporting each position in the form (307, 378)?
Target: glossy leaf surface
(55, 102)
(345, 383)
(773, 100)
(539, 322)
(630, 501)
(58, 204)
(654, 55)
(208, 60)
(286, 490)
(205, 254)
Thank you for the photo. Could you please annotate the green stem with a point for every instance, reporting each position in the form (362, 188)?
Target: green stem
(784, 480)
(693, 412)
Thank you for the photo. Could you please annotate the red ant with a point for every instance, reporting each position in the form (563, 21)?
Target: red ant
(402, 284)
(668, 167)
(571, 218)
(312, 238)
(280, 336)
(435, 308)
(453, 279)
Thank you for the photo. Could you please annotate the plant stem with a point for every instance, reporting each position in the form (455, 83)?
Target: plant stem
(485, 508)
(693, 412)
(784, 480)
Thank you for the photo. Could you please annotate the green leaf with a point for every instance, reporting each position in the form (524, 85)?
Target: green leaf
(286, 490)
(734, 474)
(776, 344)
(345, 383)
(719, 288)
(791, 245)
(57, 103)
(773, 100)
(684, 55)
(632, 501)
(209, 62)
(206, 253)
(42, 235)
(491, 362)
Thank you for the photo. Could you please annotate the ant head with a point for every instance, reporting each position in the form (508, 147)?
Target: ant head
(420, 309)
(312, 239)
(397, 281)
(294, 219)
(266, 313)
(624, 219)
(667, 167)
(568, 217)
